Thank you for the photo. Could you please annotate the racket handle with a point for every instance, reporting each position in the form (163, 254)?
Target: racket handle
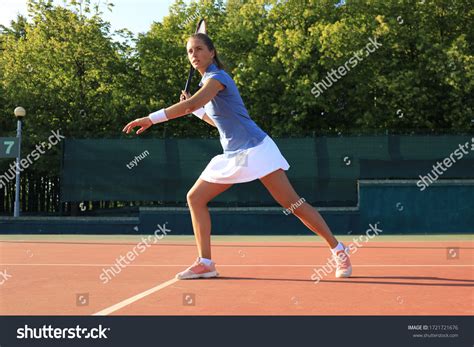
(188, 82)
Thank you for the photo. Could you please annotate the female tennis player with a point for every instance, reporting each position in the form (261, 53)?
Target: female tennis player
(249, 154)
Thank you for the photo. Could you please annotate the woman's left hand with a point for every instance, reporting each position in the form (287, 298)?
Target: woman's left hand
(144, 123)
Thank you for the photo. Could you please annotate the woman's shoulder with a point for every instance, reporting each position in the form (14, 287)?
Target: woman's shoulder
(219, 74)
(215, 72)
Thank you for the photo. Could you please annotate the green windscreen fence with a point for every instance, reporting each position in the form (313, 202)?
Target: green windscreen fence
(323, 170)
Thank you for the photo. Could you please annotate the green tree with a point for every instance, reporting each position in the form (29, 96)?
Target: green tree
(68, 73)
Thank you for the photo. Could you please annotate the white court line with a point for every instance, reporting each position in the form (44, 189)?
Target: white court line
(163, 285)
(247, 265)
(137, 297)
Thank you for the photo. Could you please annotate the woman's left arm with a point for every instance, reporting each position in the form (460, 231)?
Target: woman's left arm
(198, 100)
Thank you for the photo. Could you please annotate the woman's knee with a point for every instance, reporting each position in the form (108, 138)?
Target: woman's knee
(195, 199)
(191, 197)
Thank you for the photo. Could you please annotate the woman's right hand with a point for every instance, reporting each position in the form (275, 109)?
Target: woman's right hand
(184, 96)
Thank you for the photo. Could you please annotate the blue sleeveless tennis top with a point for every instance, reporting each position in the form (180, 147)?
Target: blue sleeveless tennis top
(237, 130)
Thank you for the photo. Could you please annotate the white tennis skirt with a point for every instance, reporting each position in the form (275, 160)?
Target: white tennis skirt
(245, 165)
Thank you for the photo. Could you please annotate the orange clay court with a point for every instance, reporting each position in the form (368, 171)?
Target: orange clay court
(260, 275)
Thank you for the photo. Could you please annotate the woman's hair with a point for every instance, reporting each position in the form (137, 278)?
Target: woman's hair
(210, 45)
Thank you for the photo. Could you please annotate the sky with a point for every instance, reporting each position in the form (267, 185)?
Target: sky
(135, 15)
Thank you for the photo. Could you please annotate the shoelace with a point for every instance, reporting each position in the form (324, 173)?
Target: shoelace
(196, 262)
(341, 259)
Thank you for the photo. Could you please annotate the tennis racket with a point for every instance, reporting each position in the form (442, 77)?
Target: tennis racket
(201, 28)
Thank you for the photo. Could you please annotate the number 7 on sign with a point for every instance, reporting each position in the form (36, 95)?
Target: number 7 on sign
(9, 145)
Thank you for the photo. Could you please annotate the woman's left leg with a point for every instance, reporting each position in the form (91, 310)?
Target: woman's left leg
(282, 191)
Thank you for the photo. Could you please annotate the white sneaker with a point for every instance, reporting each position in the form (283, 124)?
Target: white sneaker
(198, 270)
(343, 264)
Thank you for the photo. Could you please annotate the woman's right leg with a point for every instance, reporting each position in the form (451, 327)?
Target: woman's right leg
(198, 197)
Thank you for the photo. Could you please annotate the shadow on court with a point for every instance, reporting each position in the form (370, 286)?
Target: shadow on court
(351, 280)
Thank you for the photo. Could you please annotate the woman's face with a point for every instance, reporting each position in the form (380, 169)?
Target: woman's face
(199, 55)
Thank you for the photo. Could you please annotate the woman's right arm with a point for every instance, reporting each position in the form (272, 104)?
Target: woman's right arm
(208, 120)
(205, 118)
